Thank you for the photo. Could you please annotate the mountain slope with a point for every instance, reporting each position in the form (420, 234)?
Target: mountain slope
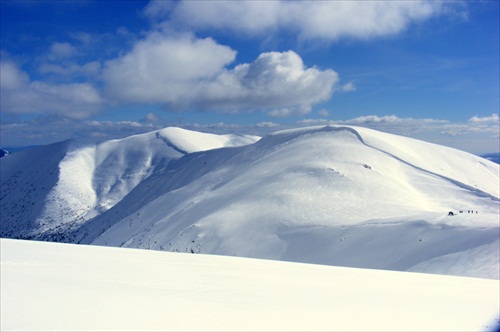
(26, 180)
(49, 190)
(332, 195)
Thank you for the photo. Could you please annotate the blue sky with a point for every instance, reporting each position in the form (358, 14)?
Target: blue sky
(109, 69)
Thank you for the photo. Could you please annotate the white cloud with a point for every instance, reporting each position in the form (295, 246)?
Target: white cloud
(327, 20)
(367, 121)
(493, 118)
(162, 69)
(332, 20)
(267, 124)
(64, 61)
(11, 77)
(22, 96)
(281, 83)
(186, 72)
(179, 71)
(286, 112)
(61, 51)
(116, 124)
(348, 87)
(377, 119)
(158, 9)
(249, 16)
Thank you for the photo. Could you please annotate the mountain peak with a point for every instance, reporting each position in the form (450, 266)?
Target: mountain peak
(188, 141)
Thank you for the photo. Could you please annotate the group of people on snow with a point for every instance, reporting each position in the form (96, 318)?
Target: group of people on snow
(461, 211)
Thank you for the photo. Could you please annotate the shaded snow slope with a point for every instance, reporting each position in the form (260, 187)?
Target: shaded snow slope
(61, 287)
(50, 190)
(26, 180)
(331, 195)
(480, 261)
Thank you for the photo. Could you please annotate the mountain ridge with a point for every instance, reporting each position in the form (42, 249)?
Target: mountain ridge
(88, 178)
(334, 195)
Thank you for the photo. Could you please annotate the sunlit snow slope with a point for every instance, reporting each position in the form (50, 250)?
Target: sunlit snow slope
(61, 287)
(335, 195)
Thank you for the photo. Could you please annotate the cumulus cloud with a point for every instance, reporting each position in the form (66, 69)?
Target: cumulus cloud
(177, 70)
(20, 95)
(282, 82)
(327, 20)
(162, 69)
(183, 71)
(249, 16)
(277, 83)
(332, 20)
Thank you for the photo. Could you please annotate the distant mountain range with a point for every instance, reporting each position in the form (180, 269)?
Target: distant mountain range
(494, 157)
(8, 150)
(335, 195)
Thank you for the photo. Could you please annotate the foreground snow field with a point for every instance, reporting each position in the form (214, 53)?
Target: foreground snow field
(67, 287)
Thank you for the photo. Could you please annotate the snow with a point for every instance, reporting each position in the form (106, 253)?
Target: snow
(334, 195)
(319, 195)
(328, 211)
(73, 195)
(193, 141)
(65, 287)
(482, 261)
(69, 183)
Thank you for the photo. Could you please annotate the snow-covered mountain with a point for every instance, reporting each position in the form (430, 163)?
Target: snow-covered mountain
(47, 191)
(335, 195)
